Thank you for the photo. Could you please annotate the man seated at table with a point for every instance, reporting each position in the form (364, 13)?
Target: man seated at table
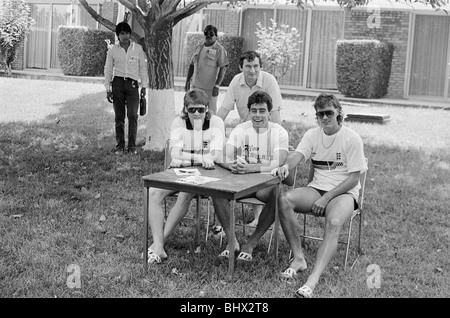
(196, 138)
(254, 146)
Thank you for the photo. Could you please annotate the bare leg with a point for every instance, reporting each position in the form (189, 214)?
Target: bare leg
(156, 219)
(178, 211)
(257, 209)
(266, 218)
(338, 211)
(222, 209)
(300, 199)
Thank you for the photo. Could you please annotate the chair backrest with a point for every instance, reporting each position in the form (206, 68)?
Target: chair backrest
(362, 181)
(167, 157)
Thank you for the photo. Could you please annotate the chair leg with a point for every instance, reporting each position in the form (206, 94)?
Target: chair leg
(207, 218)
(270, 242)
(304, 229)
(243, 219)
(348, 242)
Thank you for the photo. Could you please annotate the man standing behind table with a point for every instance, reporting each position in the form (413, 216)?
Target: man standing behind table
(125, 65)
(208, 67)
(252, 79)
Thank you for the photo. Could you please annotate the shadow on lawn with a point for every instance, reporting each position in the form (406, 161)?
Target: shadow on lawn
(60, 177)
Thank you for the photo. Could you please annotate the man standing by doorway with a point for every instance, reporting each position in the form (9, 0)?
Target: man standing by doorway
(208, 67)
(125, 65)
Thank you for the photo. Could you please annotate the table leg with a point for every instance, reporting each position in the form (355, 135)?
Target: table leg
(145, 229)
(231, 242)
(277, 224)
(197, 234)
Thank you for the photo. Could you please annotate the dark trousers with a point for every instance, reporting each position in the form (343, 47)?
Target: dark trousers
(125, 101)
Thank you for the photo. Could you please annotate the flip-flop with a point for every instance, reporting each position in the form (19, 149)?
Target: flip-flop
(149, 252)
(290, 274)
(245, 257)
(304, 292)
(154, 258)
(226, 254)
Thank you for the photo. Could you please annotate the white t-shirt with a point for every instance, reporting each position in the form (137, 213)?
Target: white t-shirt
(211, 137)
(259, 147)
(333, 157)
(238, 93)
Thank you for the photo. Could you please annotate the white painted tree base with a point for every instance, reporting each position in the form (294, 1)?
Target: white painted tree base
(159, 117)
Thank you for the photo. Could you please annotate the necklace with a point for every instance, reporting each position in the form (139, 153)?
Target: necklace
(335, 135)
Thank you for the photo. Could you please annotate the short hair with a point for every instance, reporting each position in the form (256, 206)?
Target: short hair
(122, 26)
(195, 96)
(324, 100)
(211, 28)
(260, 97)
(249, 56)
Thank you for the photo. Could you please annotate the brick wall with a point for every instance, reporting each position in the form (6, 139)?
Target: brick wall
(393, 28)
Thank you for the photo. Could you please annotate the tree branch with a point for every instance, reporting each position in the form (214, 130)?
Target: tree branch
(108, 24)
(191, 8)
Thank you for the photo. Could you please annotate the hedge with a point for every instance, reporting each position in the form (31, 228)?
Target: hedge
(82, 51)
(363, 67)
(232, 44)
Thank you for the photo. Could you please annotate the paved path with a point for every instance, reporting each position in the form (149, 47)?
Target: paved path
(288, 93)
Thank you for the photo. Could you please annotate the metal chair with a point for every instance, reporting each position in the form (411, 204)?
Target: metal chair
(197, 218)
(356, 213)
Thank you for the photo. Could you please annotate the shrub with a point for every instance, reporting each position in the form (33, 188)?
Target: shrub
(232, 44)
(363, 67)
(82, 51)
(279, 46)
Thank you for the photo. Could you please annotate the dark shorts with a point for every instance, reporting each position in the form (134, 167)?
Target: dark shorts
(322, 192)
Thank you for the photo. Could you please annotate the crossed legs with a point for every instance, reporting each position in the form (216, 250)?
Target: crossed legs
(267, 217)
(160, 230)
(337, 212)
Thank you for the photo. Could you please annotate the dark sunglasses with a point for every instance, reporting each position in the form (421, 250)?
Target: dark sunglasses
(211, 33)
(321, 114)
(192, 110)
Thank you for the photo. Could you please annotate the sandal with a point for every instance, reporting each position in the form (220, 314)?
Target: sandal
(289, 274)
(154, 258)
(226, 254)
(304, 292)
(246, 257)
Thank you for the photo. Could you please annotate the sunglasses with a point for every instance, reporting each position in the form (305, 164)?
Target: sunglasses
(328, 113)
(211, 33)
(192, 110)
(322, 114)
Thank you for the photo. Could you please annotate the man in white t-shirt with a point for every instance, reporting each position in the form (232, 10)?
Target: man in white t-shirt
(196, 138)
(337, 157)
(252, 79)
(255, 146)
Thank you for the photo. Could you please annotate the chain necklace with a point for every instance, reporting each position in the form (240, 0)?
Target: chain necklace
(323, 145)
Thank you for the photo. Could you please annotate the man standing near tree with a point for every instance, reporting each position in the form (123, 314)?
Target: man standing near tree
(208, 67)
(125, 65)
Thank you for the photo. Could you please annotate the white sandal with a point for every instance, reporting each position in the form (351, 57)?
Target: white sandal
(289, 273)
(304, 292)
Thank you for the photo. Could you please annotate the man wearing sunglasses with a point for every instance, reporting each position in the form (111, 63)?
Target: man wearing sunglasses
(208, 66)
(196, 138)
(337, 157)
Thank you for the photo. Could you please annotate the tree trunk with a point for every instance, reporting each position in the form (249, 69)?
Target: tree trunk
(161, 101)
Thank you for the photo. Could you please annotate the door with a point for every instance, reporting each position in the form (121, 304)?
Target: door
(429, 76)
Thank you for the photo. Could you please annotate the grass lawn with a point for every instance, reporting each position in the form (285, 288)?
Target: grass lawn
(66, 201)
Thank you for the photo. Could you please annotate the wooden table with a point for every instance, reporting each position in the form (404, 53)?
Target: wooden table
(230, 186)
